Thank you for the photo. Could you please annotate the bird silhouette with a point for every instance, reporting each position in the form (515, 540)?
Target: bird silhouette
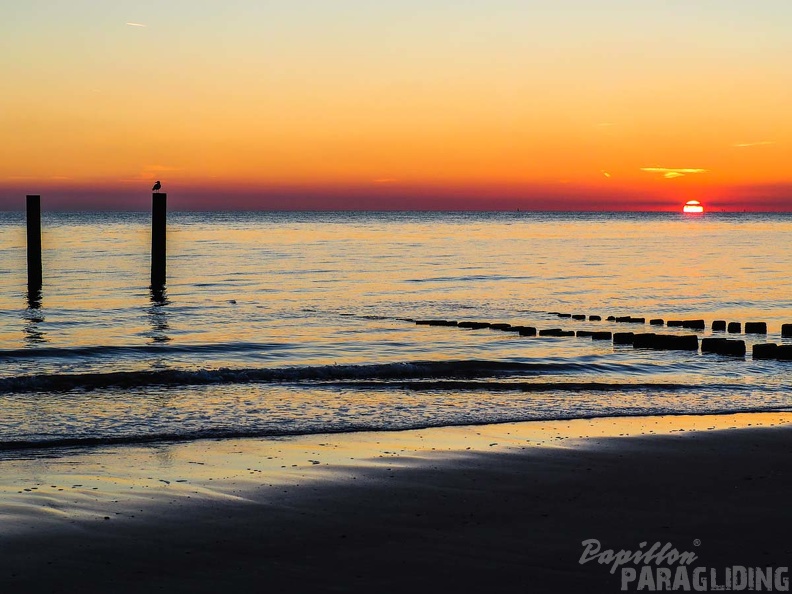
(156, 187)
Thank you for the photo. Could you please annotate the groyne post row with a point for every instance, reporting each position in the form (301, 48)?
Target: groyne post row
(717, 325)
(648, 340)
(158, 242)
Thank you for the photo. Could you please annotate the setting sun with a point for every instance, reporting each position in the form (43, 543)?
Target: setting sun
(693, 206)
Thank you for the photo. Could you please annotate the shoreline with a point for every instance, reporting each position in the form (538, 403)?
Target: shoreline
(455, 506)
(64, 447)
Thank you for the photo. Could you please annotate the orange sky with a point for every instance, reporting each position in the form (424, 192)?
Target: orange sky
(503, 104)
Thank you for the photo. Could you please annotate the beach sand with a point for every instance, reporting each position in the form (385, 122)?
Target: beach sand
(496, 508)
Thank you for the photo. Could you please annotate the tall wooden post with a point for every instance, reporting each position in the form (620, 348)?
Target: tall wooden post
(33, 204)
(158, 229)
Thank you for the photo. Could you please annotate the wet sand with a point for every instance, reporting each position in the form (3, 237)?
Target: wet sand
(494, 508)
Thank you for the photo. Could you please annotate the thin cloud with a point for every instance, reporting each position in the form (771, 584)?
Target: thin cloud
(671, 173)
(162, 168)
(747, 144)
(135, 24)
(149, 172)
(385, 180)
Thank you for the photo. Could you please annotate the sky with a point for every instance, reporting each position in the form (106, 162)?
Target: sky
(415, 104)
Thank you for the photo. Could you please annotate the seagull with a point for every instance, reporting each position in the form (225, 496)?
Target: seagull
(156, 187)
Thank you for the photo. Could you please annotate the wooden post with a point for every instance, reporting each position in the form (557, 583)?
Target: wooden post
(33, 204)
(158, 228)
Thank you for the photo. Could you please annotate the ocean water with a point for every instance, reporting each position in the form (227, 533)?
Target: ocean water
(294, 323)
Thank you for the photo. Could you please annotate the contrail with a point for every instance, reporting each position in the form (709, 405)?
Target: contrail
(135, 24)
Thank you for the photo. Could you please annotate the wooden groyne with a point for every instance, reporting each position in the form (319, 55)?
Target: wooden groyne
(33, 222)
(649, 340)
(159, 210)
(35, 272)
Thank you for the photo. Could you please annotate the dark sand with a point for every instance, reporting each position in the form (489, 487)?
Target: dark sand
(505, 518)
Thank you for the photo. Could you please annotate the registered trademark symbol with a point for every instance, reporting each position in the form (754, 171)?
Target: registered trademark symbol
(697, 543)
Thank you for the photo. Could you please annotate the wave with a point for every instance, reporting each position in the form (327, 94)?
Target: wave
(467, 278)
(54, 445)
(512, 386)
(113, 350)
(377, 374)
(465, 369)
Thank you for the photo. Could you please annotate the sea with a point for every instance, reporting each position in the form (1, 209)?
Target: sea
(293, 323)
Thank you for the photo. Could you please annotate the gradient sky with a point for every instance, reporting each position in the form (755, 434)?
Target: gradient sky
(533, 104)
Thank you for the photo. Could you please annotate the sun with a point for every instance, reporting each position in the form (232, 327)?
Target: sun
(693, 206)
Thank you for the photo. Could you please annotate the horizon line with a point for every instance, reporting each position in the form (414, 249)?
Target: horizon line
(406, 210)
